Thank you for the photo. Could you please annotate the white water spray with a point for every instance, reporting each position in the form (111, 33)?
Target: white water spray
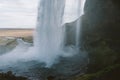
(49, 35)
(49, 32)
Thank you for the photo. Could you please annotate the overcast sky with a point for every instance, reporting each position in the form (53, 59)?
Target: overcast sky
(23, 13)
(18, 13)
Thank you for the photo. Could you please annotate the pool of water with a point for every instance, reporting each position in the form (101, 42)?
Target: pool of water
(65, 68)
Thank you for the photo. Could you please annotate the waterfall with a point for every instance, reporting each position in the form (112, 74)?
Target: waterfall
(74, 9)
(49, 31)
(49, 39)
(80, 6)
(49, 34)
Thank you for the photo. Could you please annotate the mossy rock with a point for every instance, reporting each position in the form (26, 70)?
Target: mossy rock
(102, 74)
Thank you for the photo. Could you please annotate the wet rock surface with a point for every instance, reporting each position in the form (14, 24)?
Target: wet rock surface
(100, 32)
(100, 38)
(10, 76)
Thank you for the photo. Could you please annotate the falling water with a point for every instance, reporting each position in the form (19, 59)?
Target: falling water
(49, 39)
(49, 32)
(80, 6)
(49, 35)
(74, 9)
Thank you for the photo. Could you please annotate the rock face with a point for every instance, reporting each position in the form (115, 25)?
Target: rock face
(102, 16)
(70, 36)
(10, 76)
(100, 36)
(100, 31)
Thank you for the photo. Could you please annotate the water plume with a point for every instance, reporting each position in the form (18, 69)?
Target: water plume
(49, 34)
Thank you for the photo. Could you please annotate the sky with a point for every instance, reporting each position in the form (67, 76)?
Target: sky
(23, 13)
(18, 13)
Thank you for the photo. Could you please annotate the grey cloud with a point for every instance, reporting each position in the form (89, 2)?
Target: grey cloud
(18, 13)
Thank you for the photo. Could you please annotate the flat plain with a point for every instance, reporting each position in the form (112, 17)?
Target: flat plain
(16, 32)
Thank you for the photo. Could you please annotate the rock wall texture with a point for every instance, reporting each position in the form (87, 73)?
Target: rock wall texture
(100, 37)
(100, 34)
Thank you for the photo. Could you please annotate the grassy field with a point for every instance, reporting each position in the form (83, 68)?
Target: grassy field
(16, 32)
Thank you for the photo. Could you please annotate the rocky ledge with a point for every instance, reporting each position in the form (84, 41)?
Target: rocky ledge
(10, 76)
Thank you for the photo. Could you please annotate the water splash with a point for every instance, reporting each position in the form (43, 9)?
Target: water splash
(49, 35)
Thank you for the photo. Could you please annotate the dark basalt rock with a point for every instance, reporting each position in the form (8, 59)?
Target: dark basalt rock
(10, 76)
(100, 37)
(108, 73)
(100, 33)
